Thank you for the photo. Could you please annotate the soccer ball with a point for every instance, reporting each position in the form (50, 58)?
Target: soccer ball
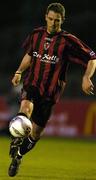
(20, 126)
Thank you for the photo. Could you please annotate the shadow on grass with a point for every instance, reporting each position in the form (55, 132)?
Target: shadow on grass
(40, 177)
(36, 177)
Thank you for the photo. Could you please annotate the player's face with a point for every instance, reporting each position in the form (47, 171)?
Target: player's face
(54, 21)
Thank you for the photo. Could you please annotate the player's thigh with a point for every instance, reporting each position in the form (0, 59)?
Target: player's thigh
(41, 112)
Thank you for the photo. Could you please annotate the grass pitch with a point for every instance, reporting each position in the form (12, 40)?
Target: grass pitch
(53, 159)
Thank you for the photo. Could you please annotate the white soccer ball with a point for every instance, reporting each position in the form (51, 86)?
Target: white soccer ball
(20, 126)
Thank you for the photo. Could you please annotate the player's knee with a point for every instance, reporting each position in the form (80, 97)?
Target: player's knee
(26, 108)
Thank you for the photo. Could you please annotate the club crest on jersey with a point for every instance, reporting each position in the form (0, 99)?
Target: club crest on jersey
(46, 45)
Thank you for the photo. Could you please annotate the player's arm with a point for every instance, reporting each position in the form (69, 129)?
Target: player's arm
(87, 84)
(25, 63)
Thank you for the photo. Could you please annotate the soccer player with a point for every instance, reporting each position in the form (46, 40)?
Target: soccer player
(48, 51)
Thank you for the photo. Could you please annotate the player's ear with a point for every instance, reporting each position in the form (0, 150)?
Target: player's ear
(63, 19)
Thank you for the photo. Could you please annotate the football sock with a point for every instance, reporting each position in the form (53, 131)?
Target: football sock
(27, 145)
(21, 114)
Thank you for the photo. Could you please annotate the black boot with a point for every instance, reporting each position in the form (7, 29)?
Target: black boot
(14, 166)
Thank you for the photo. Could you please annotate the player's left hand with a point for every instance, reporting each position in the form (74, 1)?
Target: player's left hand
(87, 85)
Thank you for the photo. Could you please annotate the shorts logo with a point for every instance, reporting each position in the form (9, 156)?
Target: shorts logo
(24, 94)
(92, 53)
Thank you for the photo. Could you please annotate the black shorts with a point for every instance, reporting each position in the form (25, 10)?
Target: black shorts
(42, 106)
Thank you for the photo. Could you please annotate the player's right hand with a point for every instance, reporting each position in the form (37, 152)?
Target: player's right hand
(16, 79)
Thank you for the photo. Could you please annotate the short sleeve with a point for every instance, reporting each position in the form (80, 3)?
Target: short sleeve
(78, 51)
(27, 44)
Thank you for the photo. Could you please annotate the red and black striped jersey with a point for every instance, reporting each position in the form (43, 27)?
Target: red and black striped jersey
(51, 55)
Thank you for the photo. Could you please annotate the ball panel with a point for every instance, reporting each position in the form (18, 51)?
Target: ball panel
(20, 126)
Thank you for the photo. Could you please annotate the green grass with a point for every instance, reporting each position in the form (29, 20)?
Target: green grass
(53, 159)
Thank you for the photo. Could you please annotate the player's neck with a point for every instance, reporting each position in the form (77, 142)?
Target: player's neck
(59, 30)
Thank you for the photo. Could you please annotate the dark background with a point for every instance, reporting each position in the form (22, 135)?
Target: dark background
(19, 17)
